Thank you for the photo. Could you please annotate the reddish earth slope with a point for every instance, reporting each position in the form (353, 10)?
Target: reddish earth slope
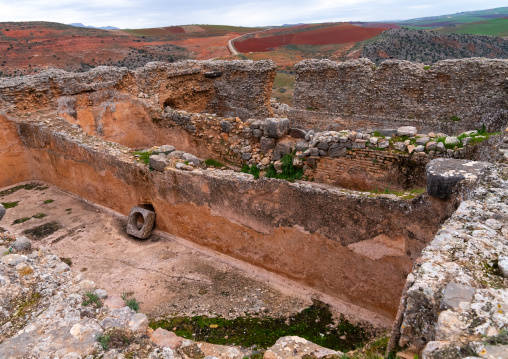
(338, 34)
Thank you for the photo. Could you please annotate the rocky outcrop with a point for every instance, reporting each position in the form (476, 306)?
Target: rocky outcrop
(456, 303)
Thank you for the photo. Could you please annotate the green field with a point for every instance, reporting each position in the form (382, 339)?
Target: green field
(459, 18)
(493, 27)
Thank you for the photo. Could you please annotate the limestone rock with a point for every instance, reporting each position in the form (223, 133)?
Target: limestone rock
(191, 158)
(276, 127)
(165, 338)
(297, 133)
(13, 259)
(158, 162)
(22, 244)
(503, 265)
(101, 293)
(114, 301)
(337, 152)
(138, 323)
(226, 126)
(388, 132)
(432, 145)
(176, 154)
(2, 211)
(420, 148)
(267, 144)
(166, 149)
(399, 146)
(440, 147)
(422, 141)
(406, 131)
(444, 174)
(452, 141)
(293, 347)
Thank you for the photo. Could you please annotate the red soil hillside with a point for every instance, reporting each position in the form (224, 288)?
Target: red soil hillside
(338, 34)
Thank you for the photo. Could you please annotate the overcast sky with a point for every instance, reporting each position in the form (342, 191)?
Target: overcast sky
(157, 13)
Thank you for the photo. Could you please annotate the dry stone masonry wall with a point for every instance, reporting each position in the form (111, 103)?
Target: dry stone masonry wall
(449, 96)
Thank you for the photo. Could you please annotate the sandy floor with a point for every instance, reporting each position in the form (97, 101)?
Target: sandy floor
(166, 274)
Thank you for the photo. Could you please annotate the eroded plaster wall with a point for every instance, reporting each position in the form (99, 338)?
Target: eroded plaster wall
(349, 246)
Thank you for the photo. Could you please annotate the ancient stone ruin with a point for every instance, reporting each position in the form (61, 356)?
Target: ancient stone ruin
(383, 189)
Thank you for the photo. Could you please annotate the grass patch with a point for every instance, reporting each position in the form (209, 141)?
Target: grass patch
(213, 163)
(27, 187)
(21, 220)
(132, 302)
(143, 156)
(114, 339)
(426, 67)
(253, 170)
(500, 339)
(8, 205)
(48, 201)
(314, 323)
(42, 231)
(39, 215)
(91, 299)
(289, 172)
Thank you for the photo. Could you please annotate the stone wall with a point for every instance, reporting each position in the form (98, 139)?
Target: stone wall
(234, 88)
(350, 246)
(401, 93)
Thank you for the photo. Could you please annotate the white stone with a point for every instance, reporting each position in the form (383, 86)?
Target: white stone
(406, 131)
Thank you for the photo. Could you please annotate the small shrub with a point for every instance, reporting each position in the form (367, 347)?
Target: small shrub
(104, 340)
(21, 220)
(8, 205)
(143, 156)
(213, 163)
(91, 299)
(426, 67)
(44, 230)
(48, 201)
(500, 339)
(455, 119)
(253, 170)
(133, 304)
(39, 215)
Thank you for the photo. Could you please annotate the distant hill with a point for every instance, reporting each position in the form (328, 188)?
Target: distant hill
(78, 24)
(482, 22)
(429, 46)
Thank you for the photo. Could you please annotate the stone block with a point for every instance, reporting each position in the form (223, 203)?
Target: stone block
(297, 133)
(191, 159)
(21, 244)
(432, 145)
(226, 126)
(165, 149)
(2, 211)
(276, 127)
(266, 144)
(176, 154)
(388, 132)
(399, 146)
(165, 338)
(257, 133)
(407, 131)
(323, 146)
(337, 152)
(443, 174)
(158, 162)
(302, 145)
(452, 141)
(145, 230)
(422, 141)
